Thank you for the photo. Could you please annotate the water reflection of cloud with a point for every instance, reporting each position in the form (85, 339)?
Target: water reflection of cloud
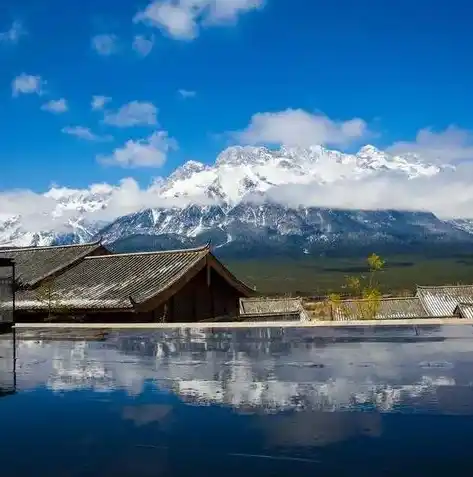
(263, 371)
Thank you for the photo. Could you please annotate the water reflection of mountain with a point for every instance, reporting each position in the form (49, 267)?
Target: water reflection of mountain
(260, 370)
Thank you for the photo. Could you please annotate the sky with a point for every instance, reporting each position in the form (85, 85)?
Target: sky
(107, 90)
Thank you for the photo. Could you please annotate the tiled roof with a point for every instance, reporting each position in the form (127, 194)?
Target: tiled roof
(464, 310)
(121, 281)
(268, 307)
(116, 281)
(33, 264)
(387, 308)
(442, 301)
(285, 316)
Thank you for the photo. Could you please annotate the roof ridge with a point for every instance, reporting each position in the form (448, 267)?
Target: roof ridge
(271, 299)
(442, 286)
(158, 252)
(396, 298)
(49, 247)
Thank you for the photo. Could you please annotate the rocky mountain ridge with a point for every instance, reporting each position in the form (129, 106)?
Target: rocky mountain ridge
(235, 203)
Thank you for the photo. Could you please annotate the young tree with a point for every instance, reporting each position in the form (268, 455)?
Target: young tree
(46, 293)
(366, 289)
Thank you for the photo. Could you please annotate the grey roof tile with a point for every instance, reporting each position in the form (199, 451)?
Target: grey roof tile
(267, 307)
(387, 308)
(33, 264)
(441, 301)
(116, 281)
(464, 310)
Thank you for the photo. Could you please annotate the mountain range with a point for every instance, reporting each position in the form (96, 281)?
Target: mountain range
(247, 202)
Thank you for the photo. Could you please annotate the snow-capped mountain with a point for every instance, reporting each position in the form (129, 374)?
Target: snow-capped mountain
(240, 171)
(237, 202)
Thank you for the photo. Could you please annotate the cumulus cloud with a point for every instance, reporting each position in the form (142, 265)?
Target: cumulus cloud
(56, 106)
(296, 127)
(85, 134)
(136, 113)
(105, 44)
(182, 19)
(98, 102)
(28, 84)
(13, 34)
(185, 93)
(150, 152)
(143, 45)
(445, 147)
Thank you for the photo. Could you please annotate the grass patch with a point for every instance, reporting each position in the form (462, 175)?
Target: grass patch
(322, 275)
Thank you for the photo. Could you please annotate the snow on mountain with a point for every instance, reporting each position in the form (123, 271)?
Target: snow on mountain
(227, 202)
(465, 225)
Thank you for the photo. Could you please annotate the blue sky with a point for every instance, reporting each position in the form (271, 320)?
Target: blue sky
(341, 72)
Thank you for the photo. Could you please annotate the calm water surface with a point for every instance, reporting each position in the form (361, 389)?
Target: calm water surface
(242, 402)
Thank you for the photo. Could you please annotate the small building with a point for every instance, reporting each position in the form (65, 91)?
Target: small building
(171, 286)
(464, 310)
(272, 309)
(441, 301)
(34, 265)
(384, 309)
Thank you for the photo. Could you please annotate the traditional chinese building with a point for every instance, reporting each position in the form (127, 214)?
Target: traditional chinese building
(95, 285)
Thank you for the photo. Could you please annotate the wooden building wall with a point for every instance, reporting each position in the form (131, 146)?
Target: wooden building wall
(206, 296)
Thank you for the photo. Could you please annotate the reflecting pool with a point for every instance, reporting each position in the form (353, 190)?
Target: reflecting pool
(232, 402)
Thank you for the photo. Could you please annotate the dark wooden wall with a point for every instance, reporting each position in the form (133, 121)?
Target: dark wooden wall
(206, 296)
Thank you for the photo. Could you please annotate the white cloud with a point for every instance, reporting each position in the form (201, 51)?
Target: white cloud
(182, 19)
(448, 194)
(85, 133)
(105, 44)
(136, 113)
(143, 45)
(40, 211)
(150, 152)
(296, 127)
(56, 106)
(185, 93)
(450, 146)
(28, 84)
(14, 34)
(228, 10)
(98, 102)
